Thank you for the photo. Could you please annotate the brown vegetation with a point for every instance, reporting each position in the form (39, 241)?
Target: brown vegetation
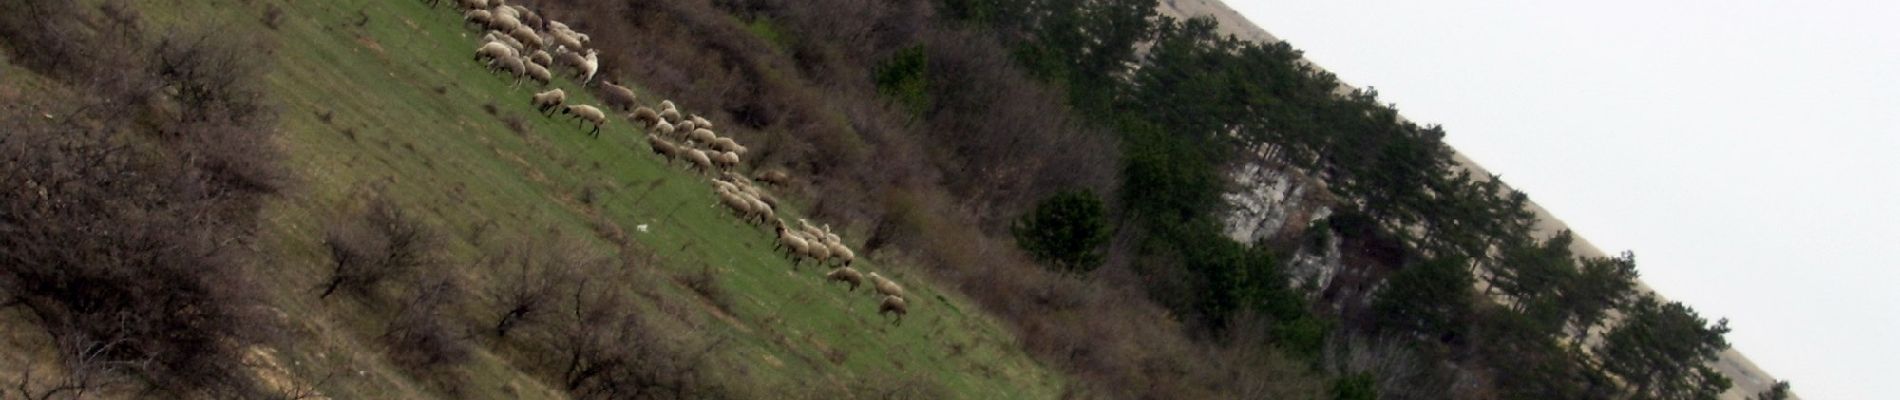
(130, 203)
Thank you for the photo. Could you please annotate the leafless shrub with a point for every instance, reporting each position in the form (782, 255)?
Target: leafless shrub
(422, 335)
(380, 243)
(535, 275)
(705, 282)
(607, 352)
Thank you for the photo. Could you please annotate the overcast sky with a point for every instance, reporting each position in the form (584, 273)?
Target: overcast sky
(1747, 151)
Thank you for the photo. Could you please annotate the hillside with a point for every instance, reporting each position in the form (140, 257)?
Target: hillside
(378, 100)
(1749, 378)
(359, 199)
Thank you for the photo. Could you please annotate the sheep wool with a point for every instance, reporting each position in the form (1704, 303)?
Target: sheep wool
(893, 305)
(548, 100)
(846, 275)
(586, 114)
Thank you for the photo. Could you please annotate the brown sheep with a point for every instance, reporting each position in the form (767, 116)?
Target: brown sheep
(617, 97)
(893, 304)
(846, 275)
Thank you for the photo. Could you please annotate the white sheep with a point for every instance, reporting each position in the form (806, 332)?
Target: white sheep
(885, 286)
(726, 160)
(501, 21)
(547, 101)
(794, 246)
(586, 114)
(492, 51)
(668, 105)
(700, 160)
(663, 128)
(846, 275)
(539, 74)
(617, 97)
(671, 115)
(526, 36)
(515, 65)
(477, 18)
(563, 38)
(893, 304)
(591, 66)
(701, 136)
(702, 122)
(473, 4)
(498, 37)
(840, 252)
(542, 58)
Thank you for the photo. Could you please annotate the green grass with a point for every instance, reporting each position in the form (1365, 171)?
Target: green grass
(395, 104)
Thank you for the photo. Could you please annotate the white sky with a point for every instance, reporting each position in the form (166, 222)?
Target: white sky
(1747, 151)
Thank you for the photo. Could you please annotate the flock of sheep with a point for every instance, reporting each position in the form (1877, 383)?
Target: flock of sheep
(523, 45)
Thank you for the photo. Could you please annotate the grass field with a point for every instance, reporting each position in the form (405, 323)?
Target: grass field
(381, 96)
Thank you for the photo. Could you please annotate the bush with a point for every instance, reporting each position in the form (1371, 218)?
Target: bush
(382, 242)
(902, 78)
(1065, 231)
(535, 275)
(422, 335)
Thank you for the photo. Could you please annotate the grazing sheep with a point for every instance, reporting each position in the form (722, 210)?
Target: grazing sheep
(700, 160)
(893, 304)
(498, 37)
(727, 144)
(526, 36)
(515, 66)
(726, 160)
(504, 22)
(794, 246)
(701, 136)
(542, 58)
(564, 38)
(810, 230)
(539, 74)
(477, 18)
(885, 286)
(664, 148)
(668, 105)
(547, 101)
(846, 275)
(663, 128)
(669, 114)
(617, 97)
(492, 51)
(531, 18)
(645, 116)
(734, 201)
(775, 177)
(841, 253)
(473, 4)
(760, 212)
(702, 122)
(586, 113)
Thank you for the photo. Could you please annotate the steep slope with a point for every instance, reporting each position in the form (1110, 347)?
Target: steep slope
(1748, 378)
(380, 97)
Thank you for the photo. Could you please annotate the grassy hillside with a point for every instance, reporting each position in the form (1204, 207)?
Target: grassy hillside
(381, 97)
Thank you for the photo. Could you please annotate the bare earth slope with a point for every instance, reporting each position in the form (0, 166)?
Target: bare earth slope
(1749, 379)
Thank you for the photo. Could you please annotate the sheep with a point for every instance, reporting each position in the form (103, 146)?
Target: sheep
(564, 38)
(703, 122)
(810, 230)
(893, 304)
(502, 21)
(665, 149)
(885, 286)
(515, 66)
(547, 101)
(586, 114)
(840, 252)
(526, 36)
(669, 114)
(775, 177)
(591, 66)
(734, 201)
(481, 5)
(541, 58)
(727, 144)
(663, 128)
(493, 51)
(498, 37)
(794, 246)
(645, 116)
(726, 160)
(760, 211)
(616, 97)
(686, 126)
(701, 136)
(539, 74)
(846, 275)
(478, 18)
(531, 18)
(700, 161)
(668, 105)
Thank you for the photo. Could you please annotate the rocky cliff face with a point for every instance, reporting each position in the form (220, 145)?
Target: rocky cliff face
(1268, 201)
